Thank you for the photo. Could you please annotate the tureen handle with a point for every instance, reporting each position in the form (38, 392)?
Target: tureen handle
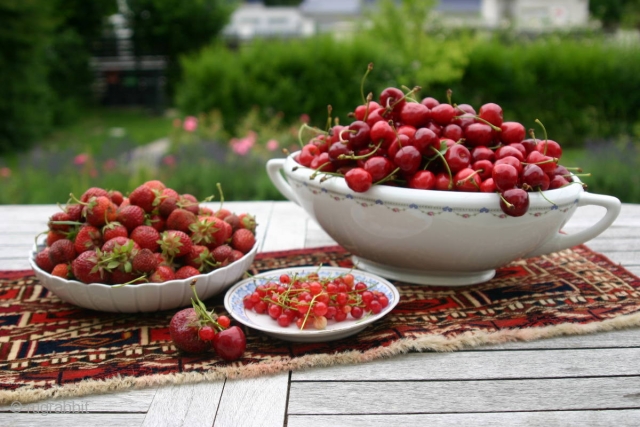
(274, 170)
(564, 241)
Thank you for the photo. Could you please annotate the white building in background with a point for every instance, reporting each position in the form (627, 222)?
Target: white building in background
(253, 19)
(536, 14)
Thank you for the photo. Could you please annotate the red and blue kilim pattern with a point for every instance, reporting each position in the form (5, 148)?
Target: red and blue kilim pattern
(45, 342)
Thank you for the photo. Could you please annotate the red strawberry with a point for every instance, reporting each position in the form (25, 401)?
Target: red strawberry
(210, 231)
(163, 273)
(247, 221)
(205, 211)
(235, 256)
(88, 238)
(131, 216)
(167, 205)
(86, 268)
(146, 237)
(55, 221)
(233, 220)
(186, 271)
(145, 261)
(221, 254)
(183, 329)
(120, 276)
(180, 219)
(74, 210)
(114, 229)
(199, 258)
(157, 222)
(144, 197)
(222, 213)
(62, 270)
(116, 197)
(155, 185)
(43, 261)
(243, 240)
(93, 192)
(175, 243)
(53, 236)
(117, 243)
(62, 251)
(99, 211)
(189, 202)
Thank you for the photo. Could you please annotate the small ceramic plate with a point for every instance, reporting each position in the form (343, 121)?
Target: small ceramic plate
(335, 330)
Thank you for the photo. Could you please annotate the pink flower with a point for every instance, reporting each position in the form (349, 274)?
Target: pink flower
(272, 145)
(190, 124)
(304, 118)
(242, 146)
(109, 165)
(5, 172)
(169, 160)
(81, 159)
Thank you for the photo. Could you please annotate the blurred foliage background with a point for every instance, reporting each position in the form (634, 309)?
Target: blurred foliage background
(56, 138)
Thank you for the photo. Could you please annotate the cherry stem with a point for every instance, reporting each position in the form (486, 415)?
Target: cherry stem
(388, 177)
(544, 130)
(509, 205)
(360, 157)
(446, 165)
(389, 108)
(465, 179)
(221, 194)
(329, 110)
(311, 128)
(366, 111)
(545, 197)
(449, 96)
(364, 78)
(466, 114)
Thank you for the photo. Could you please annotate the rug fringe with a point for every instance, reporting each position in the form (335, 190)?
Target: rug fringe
(435, 343)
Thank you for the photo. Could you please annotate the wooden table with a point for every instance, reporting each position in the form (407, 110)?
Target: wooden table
(588, 380)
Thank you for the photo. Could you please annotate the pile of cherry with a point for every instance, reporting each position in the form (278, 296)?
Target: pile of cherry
(429, 145)
(310, 301)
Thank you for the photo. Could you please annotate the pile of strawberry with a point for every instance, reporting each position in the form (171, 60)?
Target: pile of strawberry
(154, 234)
(429, 145)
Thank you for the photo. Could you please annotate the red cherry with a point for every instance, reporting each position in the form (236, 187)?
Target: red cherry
(362, 110)
(508, 150)
(358, 135)
(557, 182)
(230, 344)
(504, 176)
(424, 140)
(452, 131)
(482, 152)
(358, 180)
(457, 157)
(467, 180)
(414, 114)
(514, 202)
(443, 182)
(382, 131)
(492, 113)
(512, 132)
(375, 116)
(378, 167)
(488, 186)
(392, 98)
(466, 115)
(510, 160)
(430, 102)
(407, 130)
(477, 134)
(423, 180)
(547, 163)
(443, 114)
(549, 148)
(408, 159)
(534, 176)
(484, 168)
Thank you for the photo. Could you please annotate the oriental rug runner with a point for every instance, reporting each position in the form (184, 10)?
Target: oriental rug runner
(53, 349)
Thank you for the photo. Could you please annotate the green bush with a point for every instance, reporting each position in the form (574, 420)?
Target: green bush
(578, 88)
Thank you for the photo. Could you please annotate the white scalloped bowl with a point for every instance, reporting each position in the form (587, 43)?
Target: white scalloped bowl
(144, 297)
(446, 238)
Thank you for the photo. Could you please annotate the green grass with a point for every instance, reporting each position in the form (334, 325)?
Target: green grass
(99, 124)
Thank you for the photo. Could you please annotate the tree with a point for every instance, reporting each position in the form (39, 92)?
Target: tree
(173, 28)
(614, 14)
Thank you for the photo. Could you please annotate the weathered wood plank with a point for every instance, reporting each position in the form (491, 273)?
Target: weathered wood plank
(136, 400)
(71, 420)
(483, 365)
(604, 418)
(428, 397)
(258, 401)
(185, 405)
